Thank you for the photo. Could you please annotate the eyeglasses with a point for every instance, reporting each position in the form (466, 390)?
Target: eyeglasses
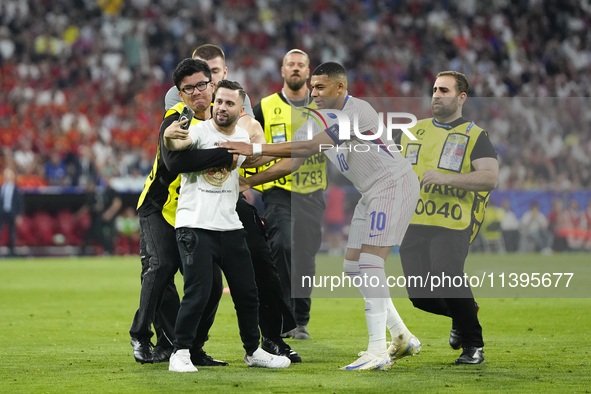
(201, 86)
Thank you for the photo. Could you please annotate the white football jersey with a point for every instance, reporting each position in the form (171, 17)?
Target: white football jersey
(207, 199)
(369, 165)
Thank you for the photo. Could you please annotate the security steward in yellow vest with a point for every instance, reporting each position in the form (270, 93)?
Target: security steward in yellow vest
(457, 166)
(294, 204)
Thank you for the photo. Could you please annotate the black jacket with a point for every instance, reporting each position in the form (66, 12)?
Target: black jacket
(17, 205)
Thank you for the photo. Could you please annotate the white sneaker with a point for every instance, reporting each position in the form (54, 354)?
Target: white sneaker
(180, 361)
(368, 361)
(408, 347)
(261, 358)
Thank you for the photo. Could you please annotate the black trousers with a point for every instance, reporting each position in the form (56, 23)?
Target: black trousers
(9, 219)
(295, 229)
(275, 316)
(431, 251)
(102, 232)
(159, 299)
(201, 250)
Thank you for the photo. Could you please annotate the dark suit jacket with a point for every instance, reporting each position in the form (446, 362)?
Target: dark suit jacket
(17, 205)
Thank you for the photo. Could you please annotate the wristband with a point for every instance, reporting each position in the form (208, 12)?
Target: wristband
(257, 149)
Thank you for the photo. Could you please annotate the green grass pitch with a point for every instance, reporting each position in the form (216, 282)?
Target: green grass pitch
(64, 329)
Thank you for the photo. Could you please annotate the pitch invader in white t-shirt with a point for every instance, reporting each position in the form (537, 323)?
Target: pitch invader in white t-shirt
(209, 232)
(389, 194)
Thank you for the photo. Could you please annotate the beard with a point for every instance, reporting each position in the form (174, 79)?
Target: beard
(224, 123)
(295, 85)
(445, 108)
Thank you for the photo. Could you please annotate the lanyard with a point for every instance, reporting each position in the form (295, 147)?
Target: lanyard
(292, 104)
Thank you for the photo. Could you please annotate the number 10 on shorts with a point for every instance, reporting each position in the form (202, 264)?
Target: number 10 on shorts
(378, 220)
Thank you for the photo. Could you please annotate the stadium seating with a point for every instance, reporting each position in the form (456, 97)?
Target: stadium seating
(26, 232)
(44, 228)
(68, 226)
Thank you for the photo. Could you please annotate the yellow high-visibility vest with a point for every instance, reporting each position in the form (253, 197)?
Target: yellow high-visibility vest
(169, 208)
(447, 150)
(281, 120)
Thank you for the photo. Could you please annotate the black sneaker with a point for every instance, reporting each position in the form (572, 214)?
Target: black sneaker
(202, 359)
(142, 350)
(161, 354)
(301, 332)
(471, 355)
(279, 348)
(455, 339)
(288, 334)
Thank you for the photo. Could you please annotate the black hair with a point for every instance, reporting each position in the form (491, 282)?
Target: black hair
(462, 84)
(331, 69)
(232, 85)
(188, 67)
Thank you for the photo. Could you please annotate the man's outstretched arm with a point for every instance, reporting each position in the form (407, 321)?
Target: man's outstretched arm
(278, 170)
(192, 160)
(303, 149)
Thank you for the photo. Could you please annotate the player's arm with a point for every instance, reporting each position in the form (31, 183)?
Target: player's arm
(303, 149)
(257, 136)
(277, 171)
(257, 161)
(192, 160)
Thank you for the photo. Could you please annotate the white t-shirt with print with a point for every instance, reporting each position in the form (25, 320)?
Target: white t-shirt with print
(207, 199)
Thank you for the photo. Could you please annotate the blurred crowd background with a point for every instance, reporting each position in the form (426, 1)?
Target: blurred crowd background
(82, 82)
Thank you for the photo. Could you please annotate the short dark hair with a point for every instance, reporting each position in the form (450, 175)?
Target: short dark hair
(331, 69)
(461, 80)
(188, 67)
(232, 85)
(208, 52)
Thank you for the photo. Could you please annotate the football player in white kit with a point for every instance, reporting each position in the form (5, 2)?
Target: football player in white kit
(389, 193)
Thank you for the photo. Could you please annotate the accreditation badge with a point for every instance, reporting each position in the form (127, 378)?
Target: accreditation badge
(412, 153)
(278, 133)
(453, 152)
